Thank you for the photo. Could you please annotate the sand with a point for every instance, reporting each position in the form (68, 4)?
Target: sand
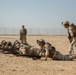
(13, 65)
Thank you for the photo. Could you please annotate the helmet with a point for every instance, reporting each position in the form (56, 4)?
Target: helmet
(41, 41)
(3, 42)
(22, 25)
(64, 23)
(9, 43)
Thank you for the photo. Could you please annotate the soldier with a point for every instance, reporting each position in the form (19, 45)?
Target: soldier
(23, 33)
(26, 50)
(48, 50)
(3, 43)
(6, 46)
(44, 48)
(71, 34)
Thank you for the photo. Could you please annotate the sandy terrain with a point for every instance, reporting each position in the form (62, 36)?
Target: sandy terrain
(12, 65)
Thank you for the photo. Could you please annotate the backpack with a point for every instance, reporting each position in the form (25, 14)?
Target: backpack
(23, 31)
(74, 29)
(73, 25)
(48, 43)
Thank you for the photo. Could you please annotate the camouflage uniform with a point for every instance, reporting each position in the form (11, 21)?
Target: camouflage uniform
(29, 50)
(59, 56)
(23, 33)
(56, 55)
(50, 51)
(47, 50)
(72, 32)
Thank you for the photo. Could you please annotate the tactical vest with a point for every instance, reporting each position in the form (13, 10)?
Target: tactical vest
(74, 26)
(74, 29)
(51, 50)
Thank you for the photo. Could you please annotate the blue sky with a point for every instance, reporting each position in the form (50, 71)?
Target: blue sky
(37, 13)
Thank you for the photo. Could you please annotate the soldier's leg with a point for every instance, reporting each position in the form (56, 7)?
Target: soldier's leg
(71, 46)
(75, 44)
(22, 40)
(70, 57)
(58, 56)
(25, 39)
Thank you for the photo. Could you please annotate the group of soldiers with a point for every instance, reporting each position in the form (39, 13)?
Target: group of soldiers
(46, 49)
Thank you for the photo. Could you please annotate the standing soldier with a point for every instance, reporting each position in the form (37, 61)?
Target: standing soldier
(23, 33)
(71, 34)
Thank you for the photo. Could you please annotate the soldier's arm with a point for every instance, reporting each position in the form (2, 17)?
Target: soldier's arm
(47, 52)
(25, 30)
(69, 37)
(20, 35)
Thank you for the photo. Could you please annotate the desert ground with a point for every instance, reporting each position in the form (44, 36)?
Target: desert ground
(13, 65)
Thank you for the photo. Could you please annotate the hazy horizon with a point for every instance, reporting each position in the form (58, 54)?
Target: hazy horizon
(33, 31)
(36, 13)
(38, 16)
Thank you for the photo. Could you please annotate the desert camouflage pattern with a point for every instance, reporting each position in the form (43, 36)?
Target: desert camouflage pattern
(20, 49)
(50, 51)
(28, 50)
(23, 33)
(47, 51)
(59, 56)
(72, 32)
(6, 46)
